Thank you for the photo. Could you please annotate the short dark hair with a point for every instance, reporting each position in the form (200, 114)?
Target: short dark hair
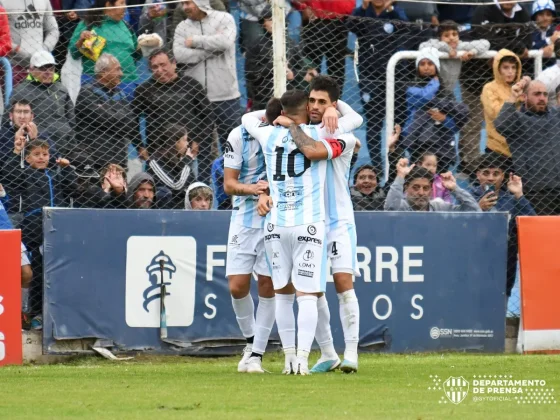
(293, 100)
(425, 155)
(508, 59)
(273, 109)
(363, 168)
(21, 102)
(492, 160)
(326, 84)
(36, 144)
(447, 25)
(159, 51)
(418, 173)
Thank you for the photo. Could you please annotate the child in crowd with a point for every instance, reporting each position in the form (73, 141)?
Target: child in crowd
(448, 42)
(199, 197)
(544, 14)
(429, 161)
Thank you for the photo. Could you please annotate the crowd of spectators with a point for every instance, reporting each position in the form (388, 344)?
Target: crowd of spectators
(163, 82)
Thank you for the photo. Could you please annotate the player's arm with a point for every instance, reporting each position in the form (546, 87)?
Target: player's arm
(350, 120)
(253, 123)
(314, 149)
(232, 186)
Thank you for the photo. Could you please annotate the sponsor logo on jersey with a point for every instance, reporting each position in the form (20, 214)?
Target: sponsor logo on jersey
(270, 227)
(228, 150)
(291, 192)
(271, 236)
(308, 239)
(312, 230)
(283, 206)
(306, 265)
(305, 273)
(308, 255)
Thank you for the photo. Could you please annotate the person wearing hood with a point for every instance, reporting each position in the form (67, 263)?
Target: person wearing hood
(199, 196)
(434, 118)
(533, 138)
(171, 166)
(205, 43)
(52, 106)
(507, 72)
(366, 193)
(141, 192)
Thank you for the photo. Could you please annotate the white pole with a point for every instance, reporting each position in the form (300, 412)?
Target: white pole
(279, 46)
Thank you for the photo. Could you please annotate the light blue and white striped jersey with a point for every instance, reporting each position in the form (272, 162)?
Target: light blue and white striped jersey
(338, 201)
(296, 184)
(243, 153)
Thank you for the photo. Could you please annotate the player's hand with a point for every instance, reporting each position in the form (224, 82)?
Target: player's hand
(330, 119)
(283, 121)
(392, 143)
(403, 169)
(63, 163)
(264, 204)
(488, 201)
(259, 188)
(448, 181)
(515, 185)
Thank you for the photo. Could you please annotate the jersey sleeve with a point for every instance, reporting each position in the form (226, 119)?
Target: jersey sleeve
(260, 130)
(233, 150)
(348, 143)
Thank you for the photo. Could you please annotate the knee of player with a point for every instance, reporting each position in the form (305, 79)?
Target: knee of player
(26, 275)
(266, 288)
(239, 285)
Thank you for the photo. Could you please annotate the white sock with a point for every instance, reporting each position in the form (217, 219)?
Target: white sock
(306, 322)
(286, 321)
(25, 299)
(323, 333)
(350, 318)
(244, 309)
(264, 322)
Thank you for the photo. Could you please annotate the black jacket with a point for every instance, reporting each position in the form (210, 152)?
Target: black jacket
(171, 181)
(374, 201)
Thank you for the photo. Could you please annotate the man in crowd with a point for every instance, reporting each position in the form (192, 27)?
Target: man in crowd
(417, 183)
(367, 194)
(167, 98)
(551, 76)
(205, 43)
(533, 138)
(33, 28)
(52, 107)
(142, 192)
(105, 123)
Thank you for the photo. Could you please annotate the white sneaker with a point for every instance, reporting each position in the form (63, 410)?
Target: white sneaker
(290, 363)
(242, 366)
(254, 365)
(302, 367)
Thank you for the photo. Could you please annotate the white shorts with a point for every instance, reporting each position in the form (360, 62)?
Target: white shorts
(341, 244)
(299, 253)
(245, 251)
(24, 256)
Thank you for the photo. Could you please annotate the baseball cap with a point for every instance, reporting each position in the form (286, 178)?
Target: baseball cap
(42, 58)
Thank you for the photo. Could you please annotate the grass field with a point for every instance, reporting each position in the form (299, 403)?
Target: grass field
(387, 386)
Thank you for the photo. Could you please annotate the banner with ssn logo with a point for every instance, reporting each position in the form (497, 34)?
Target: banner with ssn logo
(428, 281)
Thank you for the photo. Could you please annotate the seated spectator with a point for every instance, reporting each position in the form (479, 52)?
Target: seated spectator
(222, 199)
(493, 194)
(367, 193)
(429, 161)
(199, 197)
(120, 41)
(171, 166)
(33, 28)
(52, 107)
(448, 42)
(142, 192)
(546, 34)
(551, 76)
(154, 18)
(167, 98)
(507, 72)
(417, 184)
(434, 118)
(533, 137)
(105, 122)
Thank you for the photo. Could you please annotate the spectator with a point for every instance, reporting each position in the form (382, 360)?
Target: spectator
(259, 66)
(417, 183)
(52, 107)
(67, 23)
(105, 122)
(33, 28)
(366, 193)
(5, 48)
(452, 11)
(106, 189)
(429, 161)
(533, 138)
(493, 194)
(154, 18)
(251, 12)
(171, 166)
(179, 15)
(448, 42)
(324, 33)
(420, 12)
(169, 98)
(507, 72)
(378, 40)
(222, 199)
(205, 42)
(545, 35)
(551, 76)
(142, 192)
(199, 197)
(120, 41)
(434, 118)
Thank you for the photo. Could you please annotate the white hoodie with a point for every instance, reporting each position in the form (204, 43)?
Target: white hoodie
(32, 30)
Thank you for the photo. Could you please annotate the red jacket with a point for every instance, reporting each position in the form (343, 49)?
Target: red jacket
(327, 9)
(5, 38)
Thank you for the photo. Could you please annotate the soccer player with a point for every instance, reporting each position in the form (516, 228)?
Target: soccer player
(295, 230)
(244, 172)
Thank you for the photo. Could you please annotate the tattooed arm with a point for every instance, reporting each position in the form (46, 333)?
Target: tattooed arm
(314, 149)
(232, 186)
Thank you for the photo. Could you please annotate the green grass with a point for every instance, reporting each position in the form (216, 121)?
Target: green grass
(387, 386)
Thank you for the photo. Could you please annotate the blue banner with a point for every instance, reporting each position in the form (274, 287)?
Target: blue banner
(429, 281)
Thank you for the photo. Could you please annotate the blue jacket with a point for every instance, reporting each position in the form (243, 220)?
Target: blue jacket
(5, 222)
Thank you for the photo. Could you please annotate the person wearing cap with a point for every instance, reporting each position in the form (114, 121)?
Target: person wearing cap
(545, 35)
(52, 107)
(105, 121)
(433, 116)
